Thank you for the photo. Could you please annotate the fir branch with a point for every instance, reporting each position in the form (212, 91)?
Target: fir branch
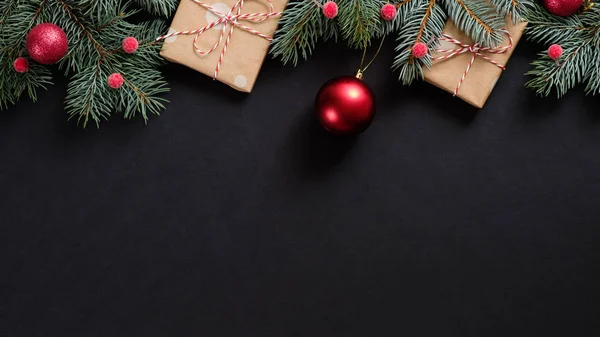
(421, 20)
(425, 20)
(13, 85)
(477, 19)
(110, 23)
(592, 78)
(301, 26)
(89, 98)
(515, 8)
(84, 50)
(572, 69)
(142, 86)
(84, 99)
(390, 27)
(6, 8)
(158, 7)
(579, 35)
(20, 22)
(13, 30)
(546, 28)
(95, 9)
(95, 30)
(359, 21)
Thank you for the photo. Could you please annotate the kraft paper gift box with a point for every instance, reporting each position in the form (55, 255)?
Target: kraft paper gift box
(245, 52)
(482, 76)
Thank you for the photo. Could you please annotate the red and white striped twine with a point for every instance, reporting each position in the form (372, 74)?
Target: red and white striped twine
(226, 20)
(476, 49)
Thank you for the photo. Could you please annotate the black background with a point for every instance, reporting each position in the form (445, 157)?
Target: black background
(235, 215)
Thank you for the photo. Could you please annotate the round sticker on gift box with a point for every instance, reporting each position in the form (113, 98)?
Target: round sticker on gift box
(212, 17)
(172, 38)
(240, 81)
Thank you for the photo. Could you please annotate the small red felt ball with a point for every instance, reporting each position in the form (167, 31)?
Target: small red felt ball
(563, 7)
(47, 43)
(555, 52)
(388, 12)
(419, 50)
(330, 9)
(130, 45)
(21, 65)
(115, 80)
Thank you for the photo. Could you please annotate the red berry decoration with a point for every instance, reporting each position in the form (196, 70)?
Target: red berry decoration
(47, 43)
(563, 7)
(388, 12)
(130, 45)
(345, 106)
(330, 9)
(21, 65)
(419, 50)
(555, 52)
(115, 80)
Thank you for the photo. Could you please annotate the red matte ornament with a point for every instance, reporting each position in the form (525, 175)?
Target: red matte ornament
(563, 7)
(47, 43)
(345, 105)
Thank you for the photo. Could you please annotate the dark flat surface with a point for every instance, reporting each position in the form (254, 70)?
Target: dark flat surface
(234, 215)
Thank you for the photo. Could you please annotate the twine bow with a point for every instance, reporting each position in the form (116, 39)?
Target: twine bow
(230, 18)
(475, 49)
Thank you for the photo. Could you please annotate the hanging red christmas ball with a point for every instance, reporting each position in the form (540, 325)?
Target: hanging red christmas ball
(47, 43)
(563, 7)
(345, 105)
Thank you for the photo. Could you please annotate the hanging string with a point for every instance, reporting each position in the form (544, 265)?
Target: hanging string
(362, 69)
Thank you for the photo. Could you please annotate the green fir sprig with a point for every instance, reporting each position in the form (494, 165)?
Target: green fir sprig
(95, 30)
(359, 22)
(301, 27)
(421, 21)
(579, 36)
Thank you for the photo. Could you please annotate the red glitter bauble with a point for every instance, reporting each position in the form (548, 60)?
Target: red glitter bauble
(47, 43)
(330, 9)
(130, 45)
(345, 105)
(115, 80)
(555, 52)
(563, 7)
(419, 50)
(21, 65)
(388, 12)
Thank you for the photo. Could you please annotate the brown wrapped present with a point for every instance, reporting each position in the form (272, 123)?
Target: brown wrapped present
(203, 22)
(451, 71)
